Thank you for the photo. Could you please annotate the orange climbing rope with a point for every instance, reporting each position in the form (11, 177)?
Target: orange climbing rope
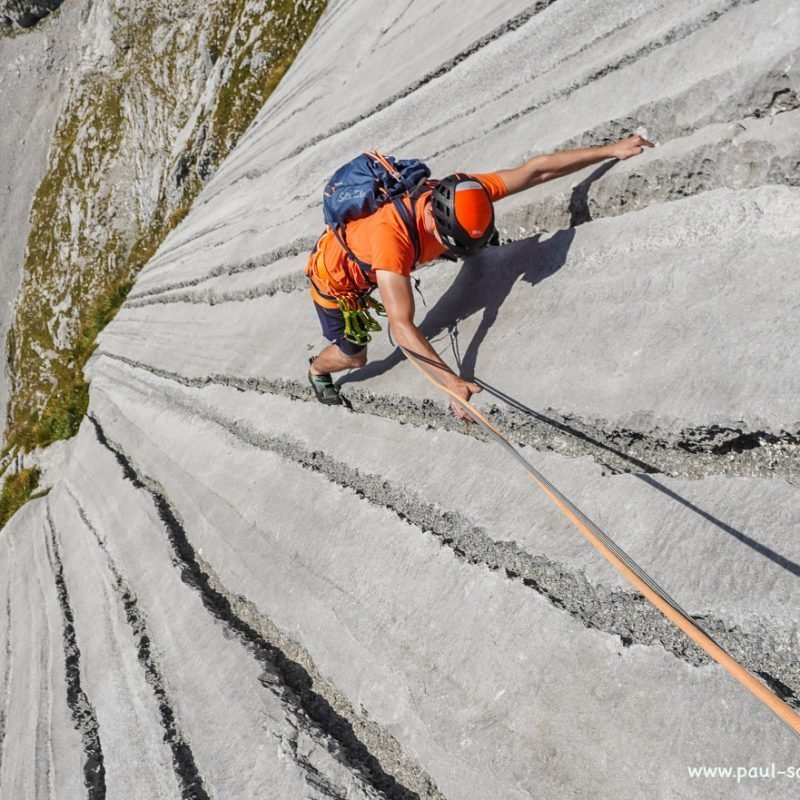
(622, 562)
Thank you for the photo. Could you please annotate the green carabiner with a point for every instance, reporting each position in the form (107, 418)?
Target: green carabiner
(353, 328)
(376, 306)
(367, 321)
(357, 320)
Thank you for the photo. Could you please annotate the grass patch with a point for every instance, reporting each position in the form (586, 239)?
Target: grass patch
(88, 240)
(67, 404)
(258, 66)
(17, 490)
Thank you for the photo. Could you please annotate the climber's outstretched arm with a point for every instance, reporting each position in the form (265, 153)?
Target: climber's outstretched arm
(541, 169)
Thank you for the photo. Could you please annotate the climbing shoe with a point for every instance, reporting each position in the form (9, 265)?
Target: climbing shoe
(324, 389)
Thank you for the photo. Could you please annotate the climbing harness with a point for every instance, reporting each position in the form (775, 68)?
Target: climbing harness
(356, 307)
(625, 565)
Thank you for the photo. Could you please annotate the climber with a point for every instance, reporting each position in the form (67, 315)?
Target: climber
(450, 218)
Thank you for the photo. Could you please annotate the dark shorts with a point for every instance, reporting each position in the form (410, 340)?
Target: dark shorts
(332, 321)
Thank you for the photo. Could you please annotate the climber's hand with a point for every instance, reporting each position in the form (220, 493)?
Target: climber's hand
(632, 146)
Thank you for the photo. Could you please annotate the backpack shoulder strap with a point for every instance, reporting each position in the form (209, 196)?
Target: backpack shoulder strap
(409, 220)
(365, 268)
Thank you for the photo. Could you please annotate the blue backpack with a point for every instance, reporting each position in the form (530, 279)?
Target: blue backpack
(361, 186)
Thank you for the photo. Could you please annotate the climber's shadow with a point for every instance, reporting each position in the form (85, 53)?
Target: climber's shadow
(482, 284)
(485, 281)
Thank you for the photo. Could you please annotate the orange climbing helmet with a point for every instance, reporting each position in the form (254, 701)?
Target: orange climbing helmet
(464, 214)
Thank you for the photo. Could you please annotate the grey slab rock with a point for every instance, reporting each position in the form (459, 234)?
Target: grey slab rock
(374, 602)
(361, 592)
(136, 755)
(47, 742)
(236, 723)
(747, 601)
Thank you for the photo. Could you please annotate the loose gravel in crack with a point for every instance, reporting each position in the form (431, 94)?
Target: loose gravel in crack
(689, 453)
(625, 614)
(290, 681)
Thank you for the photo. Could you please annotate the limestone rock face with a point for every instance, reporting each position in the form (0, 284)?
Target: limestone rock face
(233, 591)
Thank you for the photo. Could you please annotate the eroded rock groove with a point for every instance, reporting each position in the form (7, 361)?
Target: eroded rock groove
(81, 708)
(626, 615)
(294, 248)
(690, 453)
(668, 128)
(297, 685)
(184, 766)
(507, 27)
(6, 685)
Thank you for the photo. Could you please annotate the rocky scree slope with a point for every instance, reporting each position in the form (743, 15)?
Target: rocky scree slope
(252, 593)
(25, 13)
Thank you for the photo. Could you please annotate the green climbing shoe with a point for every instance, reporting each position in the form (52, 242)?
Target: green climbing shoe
(324, 389)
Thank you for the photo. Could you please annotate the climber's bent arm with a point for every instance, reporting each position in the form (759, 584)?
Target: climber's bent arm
(398, 299)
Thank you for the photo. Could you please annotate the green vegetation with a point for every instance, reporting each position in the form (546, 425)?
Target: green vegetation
(50, 398)
(259, 50)
(17, 490)
(66, 405)
(91, 232)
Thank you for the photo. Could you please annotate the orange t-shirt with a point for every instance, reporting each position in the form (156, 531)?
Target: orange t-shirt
(381, 240)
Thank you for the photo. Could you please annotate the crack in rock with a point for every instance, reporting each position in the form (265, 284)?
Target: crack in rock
(43, 755)
(663, 117)
(286, 284)
(323, 787)
(507, 27)
(660, 180)
(186, 772)
(83, 713)
(25, 13)
(689, 453)
(374, 738)
(286, 676)
(294, 248)
(782, 100)
(624, 614)
(6, 686)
